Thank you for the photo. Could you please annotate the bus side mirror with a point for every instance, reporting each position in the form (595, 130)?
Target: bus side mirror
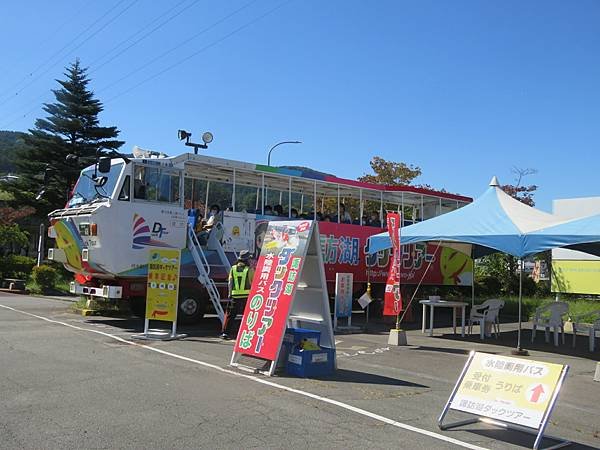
(104, 165)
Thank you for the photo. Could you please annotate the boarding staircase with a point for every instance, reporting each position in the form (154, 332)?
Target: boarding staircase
(204, 269)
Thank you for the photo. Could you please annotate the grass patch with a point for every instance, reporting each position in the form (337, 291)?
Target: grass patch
(581, 309)
(61, 288)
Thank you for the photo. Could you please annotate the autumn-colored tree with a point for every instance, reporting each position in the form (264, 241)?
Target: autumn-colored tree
(391, 173)
(8, 215)
(518, 191)
(11, 235)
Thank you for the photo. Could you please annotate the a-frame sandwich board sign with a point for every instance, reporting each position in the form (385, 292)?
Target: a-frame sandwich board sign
(288, 289)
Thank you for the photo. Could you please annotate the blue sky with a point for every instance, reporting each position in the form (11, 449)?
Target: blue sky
(463, 89)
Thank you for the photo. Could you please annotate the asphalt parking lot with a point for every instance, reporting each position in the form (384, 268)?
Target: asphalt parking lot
(73, 382)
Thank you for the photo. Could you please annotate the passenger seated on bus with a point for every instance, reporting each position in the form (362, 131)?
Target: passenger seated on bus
(344, 215)
(327, 218)
(268, 210)
(374, 220)
(294, 213)
(213, 217)
(200, 222)
(139, 189)
(278, 210)
(319, 216)
(208, 225)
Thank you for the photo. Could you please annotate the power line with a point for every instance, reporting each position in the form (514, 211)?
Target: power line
(54, 33)
(176, 47)
(153, 30)
(133, 2)
(64, 47)
(206, 47)
(42, 94)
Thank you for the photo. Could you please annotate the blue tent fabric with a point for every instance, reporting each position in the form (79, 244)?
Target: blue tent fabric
(581, 234)
(495, 222)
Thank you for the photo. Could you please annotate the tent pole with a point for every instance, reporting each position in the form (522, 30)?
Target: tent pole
(473, 285)
(520, 302)
(519, 350)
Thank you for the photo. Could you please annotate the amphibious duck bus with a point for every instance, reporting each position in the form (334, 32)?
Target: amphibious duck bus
(115, 216)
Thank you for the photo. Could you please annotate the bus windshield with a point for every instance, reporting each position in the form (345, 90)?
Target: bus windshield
(85, 190)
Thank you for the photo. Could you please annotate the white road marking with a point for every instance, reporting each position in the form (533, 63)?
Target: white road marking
(266, 382)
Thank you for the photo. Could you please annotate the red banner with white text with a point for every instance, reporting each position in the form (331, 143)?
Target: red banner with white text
(275, 279)
(392, 301)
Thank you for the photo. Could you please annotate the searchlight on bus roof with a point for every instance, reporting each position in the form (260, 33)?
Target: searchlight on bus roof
(207, 138)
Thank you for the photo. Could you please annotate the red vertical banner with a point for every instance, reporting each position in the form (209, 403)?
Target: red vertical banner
(392, 304)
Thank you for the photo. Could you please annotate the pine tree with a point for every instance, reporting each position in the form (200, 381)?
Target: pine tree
(71, 127)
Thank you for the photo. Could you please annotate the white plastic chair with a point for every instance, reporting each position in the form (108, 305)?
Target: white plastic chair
(486, 313)
(550, 316)
(590, 328)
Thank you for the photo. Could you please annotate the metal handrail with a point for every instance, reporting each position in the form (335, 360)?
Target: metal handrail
(197, 245)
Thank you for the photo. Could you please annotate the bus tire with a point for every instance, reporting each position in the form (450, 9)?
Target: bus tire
(137, 305)
(192, 305)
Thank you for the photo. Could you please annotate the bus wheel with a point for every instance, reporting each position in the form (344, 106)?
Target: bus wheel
(191, 306)
(137, 305)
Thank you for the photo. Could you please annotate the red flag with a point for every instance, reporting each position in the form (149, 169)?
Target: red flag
(392, 304)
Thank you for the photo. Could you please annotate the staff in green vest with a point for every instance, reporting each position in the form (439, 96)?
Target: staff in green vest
(240, 280)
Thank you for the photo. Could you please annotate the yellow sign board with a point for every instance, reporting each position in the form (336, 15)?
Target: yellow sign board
(163, 284)
(513, 390)
(576, 277)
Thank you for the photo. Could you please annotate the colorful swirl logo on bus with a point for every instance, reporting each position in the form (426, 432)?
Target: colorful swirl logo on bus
(143, 237)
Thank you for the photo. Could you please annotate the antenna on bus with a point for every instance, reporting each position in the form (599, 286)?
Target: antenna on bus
(207, 138)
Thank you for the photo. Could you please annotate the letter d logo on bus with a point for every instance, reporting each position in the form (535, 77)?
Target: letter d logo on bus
(158, 230)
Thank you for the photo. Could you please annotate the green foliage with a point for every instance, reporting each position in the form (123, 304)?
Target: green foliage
(583, 309)
(13, 236)
(391, 173)
(502, 268)
(11, 144)
(71, 127)
(45, 277)
(511, 306)
(16, 266)
(6, 196)
(586, 311)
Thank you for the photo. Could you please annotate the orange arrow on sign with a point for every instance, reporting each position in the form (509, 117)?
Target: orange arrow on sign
(536, 393)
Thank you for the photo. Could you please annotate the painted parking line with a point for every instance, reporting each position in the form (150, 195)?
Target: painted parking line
(263, 381)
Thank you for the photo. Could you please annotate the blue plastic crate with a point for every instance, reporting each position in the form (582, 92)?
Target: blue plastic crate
(311, 363)
(293, 336)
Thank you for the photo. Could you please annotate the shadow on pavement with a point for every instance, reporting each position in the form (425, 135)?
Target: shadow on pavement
(457, 351)
(521, 439)
(209, 327)
(509, 339)
(351, 376)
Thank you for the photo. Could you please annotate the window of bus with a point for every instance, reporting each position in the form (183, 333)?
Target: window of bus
(195, 194)
(277, 195)
(327, 201)
(372, 208)
(303, 199)
(349, 205)
(155, 184)
(221, 194)
(248, 192)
